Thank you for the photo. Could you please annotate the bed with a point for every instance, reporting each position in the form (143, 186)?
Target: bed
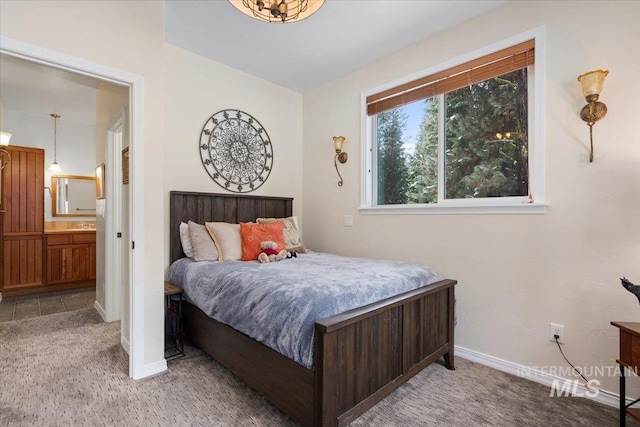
(359, 356)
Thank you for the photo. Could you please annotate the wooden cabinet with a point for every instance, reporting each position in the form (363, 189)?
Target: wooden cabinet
(71, 257)
(22, 220)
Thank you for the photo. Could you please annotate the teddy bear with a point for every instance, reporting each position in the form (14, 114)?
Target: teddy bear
(269, 252)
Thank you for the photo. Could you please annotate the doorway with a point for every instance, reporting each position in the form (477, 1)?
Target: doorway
(134, 82)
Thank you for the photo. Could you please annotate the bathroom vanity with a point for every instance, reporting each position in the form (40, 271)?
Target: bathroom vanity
(38, 256)
(71, 257)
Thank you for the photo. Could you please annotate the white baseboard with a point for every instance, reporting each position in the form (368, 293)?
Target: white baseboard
(125, 344)
(100, 310)
(604, 396)
(153, 369)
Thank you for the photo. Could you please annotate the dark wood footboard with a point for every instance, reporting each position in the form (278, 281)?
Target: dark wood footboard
(364, 354)
(361, 356)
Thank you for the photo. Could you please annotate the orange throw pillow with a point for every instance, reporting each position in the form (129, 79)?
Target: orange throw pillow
(254, 234)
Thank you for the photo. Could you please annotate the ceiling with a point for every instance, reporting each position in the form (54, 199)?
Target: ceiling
(37, 90)
(342, 36)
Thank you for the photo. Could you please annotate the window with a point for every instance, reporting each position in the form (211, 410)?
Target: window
(458, 138)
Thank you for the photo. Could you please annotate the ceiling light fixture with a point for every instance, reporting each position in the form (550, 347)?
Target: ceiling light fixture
(280, 11)
(55, 167)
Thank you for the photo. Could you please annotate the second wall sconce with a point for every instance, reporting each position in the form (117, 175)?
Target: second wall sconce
(5, 137)
(341, 156)
(594, 110)
(5, 157)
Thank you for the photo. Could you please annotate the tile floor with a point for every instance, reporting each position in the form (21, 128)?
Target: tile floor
(25, 306)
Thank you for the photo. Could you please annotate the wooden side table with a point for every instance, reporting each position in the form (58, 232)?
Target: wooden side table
(629, 359)
(174, 339)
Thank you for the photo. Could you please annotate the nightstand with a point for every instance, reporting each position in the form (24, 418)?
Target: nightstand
(629, 359)
(174, 337)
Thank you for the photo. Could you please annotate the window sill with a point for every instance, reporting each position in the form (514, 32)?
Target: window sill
(510, 209)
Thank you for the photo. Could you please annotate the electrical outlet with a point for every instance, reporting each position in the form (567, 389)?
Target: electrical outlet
(347, 221)
(555, 329)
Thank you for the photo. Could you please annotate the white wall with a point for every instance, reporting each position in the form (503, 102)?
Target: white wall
(127, 36)
(516, 273)
(195, 89)
(76, 147)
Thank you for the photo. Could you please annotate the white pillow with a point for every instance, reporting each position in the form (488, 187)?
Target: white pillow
(186, 240)
(204, 248)
(228, 240)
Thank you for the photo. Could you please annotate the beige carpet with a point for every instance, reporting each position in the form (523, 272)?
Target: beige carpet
(69, 369)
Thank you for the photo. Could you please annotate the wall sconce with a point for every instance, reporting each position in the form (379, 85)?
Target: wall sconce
(5, 157)
(594, 110)
(341, 156)
(5, 137)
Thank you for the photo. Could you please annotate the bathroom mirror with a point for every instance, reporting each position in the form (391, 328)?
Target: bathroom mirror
(73, 195)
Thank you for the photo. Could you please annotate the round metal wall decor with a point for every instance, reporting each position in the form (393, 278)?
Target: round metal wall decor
(236, 151)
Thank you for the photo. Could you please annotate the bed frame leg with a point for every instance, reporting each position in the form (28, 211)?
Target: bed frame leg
(449, 361)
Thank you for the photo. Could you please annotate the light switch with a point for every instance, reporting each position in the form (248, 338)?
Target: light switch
(348, 221)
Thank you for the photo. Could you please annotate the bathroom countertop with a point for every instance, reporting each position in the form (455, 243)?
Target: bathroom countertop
(61, 227)
(71, 230)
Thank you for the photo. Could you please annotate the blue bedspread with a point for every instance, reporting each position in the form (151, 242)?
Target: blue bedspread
(278, 303)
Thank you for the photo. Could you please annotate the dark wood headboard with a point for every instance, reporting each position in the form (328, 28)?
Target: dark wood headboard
(207, 207)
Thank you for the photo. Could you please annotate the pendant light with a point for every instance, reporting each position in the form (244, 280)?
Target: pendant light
(55, 167)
